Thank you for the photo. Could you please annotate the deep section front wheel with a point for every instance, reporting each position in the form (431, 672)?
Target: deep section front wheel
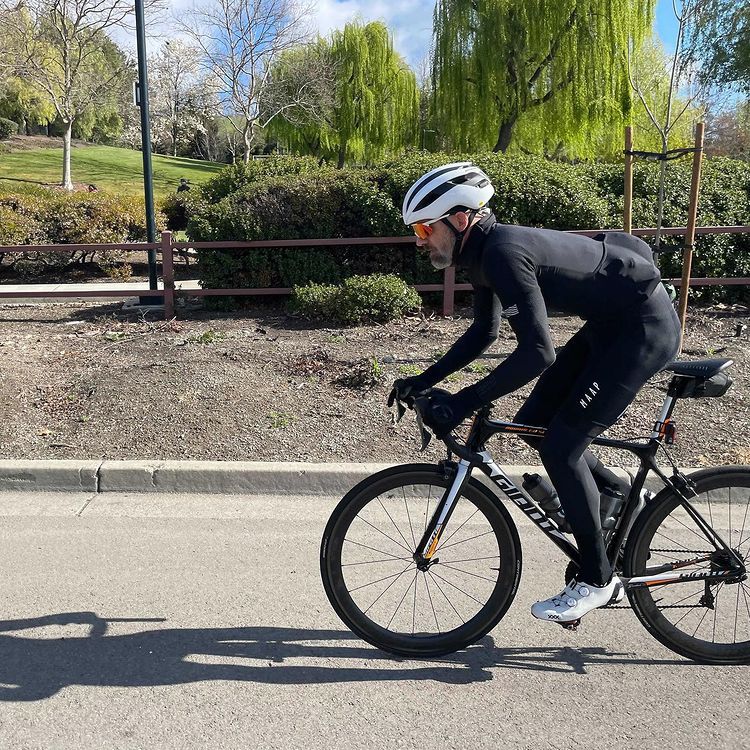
(373, 582)
(708, 622)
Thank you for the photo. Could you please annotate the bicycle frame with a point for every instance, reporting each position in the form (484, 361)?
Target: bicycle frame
(475, 455)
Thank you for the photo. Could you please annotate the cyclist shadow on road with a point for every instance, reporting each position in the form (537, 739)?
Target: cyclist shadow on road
(34, 668)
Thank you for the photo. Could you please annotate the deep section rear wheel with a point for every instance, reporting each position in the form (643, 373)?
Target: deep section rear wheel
(706, 622)
(373, 582)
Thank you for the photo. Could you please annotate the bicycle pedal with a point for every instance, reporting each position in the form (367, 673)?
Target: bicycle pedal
(571, 624)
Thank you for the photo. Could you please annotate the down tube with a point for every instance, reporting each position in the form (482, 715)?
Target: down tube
(527, 505)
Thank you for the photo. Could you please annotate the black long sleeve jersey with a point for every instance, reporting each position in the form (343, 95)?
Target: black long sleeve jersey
(519, 273)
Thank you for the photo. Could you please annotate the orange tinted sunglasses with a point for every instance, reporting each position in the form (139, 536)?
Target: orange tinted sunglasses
(423, 231)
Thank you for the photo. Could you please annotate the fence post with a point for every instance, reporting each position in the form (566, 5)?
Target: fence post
(687, 255)
(167, 274)
(628, 213)
(449, 287)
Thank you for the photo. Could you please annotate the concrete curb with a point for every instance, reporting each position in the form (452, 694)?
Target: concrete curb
(210, 477)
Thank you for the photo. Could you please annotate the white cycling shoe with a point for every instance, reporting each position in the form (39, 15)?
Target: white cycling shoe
(578, 599)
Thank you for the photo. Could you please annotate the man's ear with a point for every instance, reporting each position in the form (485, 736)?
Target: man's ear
(462, 220)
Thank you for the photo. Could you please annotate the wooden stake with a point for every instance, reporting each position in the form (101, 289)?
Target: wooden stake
(167, 274)
(687, 255)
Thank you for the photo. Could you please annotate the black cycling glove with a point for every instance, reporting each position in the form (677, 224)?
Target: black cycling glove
(445, 411)
(404, 387)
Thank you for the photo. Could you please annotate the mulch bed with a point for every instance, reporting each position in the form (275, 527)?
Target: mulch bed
(84, 381)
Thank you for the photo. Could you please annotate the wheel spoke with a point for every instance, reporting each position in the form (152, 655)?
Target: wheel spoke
(693, 531)
(460, 527)
(463, 541)
(701, 622)
(476, 559)
(408, 515)
(373, 562)
(458, 588)
(384, 590)
(744, 521)
(406, 542)
(395, 541)
(432, 606)
(440, 589)
(379, 580)
(398, 606)
(466, 572)
(373, 549)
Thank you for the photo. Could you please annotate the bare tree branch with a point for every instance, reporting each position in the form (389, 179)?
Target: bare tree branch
(240, 41)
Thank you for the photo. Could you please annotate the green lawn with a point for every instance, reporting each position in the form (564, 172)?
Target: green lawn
(116, 170)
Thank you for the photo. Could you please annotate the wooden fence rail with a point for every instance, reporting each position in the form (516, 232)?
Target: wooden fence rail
(170, 292)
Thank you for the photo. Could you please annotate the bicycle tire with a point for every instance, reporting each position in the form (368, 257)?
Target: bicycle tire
(474, 500)
(658, 535)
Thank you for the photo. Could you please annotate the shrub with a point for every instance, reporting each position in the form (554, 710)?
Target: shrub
(19, 227)
(315, 301)
(326, 205)
(360, 299)
(7, 128)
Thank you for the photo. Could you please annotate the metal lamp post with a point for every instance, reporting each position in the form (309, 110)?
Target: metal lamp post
(148, 186)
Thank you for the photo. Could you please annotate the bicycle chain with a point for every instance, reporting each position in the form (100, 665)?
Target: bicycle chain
(683, 551)
(673, 606)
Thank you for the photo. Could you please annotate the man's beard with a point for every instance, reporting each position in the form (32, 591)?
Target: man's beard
(442, 258)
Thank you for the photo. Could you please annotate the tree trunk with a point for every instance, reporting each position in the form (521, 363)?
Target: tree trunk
(342, 155)
(67, 182)
(504, 136)
(247, 142)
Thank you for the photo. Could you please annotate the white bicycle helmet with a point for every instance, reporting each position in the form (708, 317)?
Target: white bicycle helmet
(442, 191)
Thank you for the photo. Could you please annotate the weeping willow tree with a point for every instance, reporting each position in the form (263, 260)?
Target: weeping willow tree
(541, 71)
(374, 109)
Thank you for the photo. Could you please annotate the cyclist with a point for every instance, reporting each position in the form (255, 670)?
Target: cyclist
(630, 332)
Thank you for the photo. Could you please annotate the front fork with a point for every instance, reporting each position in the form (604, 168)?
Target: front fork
(424, 555)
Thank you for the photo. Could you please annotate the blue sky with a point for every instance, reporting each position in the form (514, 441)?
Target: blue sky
(666, 24)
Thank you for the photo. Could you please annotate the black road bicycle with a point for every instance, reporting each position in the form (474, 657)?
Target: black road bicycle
(422, 560)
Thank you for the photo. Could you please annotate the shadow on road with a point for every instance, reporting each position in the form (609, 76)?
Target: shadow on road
(38, 667)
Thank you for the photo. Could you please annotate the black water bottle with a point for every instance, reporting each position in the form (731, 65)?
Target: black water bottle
(610, 504)
(546, 496)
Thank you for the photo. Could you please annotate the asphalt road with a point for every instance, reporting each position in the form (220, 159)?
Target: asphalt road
(174, 621)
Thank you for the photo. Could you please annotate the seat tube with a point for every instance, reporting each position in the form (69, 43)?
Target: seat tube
(666, 412)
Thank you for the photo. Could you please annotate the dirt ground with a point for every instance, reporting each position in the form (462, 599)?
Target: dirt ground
(85, 381)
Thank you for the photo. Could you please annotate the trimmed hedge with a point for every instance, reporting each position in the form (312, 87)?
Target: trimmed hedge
(238, 176)
(38, 216)
(302, 200)
(77, 218)
(326, 204)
